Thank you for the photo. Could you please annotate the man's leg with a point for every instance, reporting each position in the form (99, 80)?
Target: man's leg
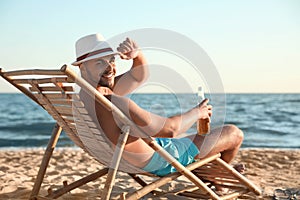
(228, 141)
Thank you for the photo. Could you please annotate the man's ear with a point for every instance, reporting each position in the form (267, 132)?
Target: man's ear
(82, 69)
(82, 66)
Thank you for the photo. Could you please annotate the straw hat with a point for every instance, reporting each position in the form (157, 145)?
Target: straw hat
(90, 47)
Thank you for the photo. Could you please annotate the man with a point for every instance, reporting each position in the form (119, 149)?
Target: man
(96, 61)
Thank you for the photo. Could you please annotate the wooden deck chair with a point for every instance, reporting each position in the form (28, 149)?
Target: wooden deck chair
(54, 91)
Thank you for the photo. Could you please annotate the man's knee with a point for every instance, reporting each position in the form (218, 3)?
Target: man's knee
(234, 132)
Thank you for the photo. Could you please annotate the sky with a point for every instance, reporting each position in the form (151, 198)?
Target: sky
(254, 45)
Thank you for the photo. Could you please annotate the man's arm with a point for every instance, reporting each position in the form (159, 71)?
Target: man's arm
(138, 73)
(158, 126)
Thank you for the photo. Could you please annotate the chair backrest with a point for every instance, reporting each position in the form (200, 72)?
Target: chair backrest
(56, 92)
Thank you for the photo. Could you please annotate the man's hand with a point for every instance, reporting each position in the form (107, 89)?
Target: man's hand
(205, 110)
(128, 49)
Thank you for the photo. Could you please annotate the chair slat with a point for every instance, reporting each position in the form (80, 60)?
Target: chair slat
(57, 102)
(42, 80)
(89, 124)
(64, 111)
(52, 89)
(96, 133)
(82, 111)
(59, 96)
(69, 121)
(221, 180)
(34, 72)
(78, 104)
(83, 117)
(62, 101)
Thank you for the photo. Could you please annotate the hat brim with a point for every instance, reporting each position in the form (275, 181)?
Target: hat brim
(77, 63)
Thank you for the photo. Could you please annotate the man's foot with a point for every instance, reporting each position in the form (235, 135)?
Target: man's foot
(240, 168)
(221, 190)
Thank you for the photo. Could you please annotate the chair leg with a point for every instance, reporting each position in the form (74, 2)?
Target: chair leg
(138, 179)
(168, 178)
(47, 155)
(78, 183)
(113, 168)
(253, 188)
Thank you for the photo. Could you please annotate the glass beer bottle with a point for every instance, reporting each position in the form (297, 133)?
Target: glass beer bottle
(203, 125)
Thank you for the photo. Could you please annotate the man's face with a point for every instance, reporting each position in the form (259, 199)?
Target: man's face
(101, 71)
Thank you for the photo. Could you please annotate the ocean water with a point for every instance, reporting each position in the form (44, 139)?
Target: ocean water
(268, 120)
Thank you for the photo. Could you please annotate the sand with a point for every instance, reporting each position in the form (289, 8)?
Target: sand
(268, 168)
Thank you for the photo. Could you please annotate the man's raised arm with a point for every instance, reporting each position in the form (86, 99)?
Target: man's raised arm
(138, 73)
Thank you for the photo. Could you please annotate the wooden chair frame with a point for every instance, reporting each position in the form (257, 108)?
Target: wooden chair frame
(65, 75)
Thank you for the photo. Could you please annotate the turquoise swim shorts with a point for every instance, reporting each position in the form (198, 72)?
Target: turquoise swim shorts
(182, 149)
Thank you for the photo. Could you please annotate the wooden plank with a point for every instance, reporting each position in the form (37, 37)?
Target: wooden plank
(41, 80)
(69, 105)
(21, 88)
(213, 172)
(194, 195)
(96, 131)
(45, 162)
(236, 187)
(69, 121)
(221, 181)
(168, 178)
(63, 102)
(234, 195)
(83, 118)
(61, 96)
(239, 176)
(74, 130)
(97, 146)
(115, 162)
(81, 130)
(70, 124)
(64, 111)
(77, 98)
(78, 183)
(78, 104)
(82, 111)
(52, 89)
(34, 72)
(84, 132)
(66, 115)
(214, 175)
(89, 124)
(58, 102)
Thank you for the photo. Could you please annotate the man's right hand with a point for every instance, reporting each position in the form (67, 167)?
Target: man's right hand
(128, 49)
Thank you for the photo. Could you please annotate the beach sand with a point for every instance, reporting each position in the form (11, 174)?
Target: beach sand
(267, 168)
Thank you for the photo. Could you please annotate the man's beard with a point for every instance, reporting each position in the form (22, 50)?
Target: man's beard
(107, 78)
(105, 84)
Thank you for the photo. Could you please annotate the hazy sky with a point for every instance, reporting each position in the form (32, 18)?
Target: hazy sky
(255, 45)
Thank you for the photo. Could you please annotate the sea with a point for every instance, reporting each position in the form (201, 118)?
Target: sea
(267, 120)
